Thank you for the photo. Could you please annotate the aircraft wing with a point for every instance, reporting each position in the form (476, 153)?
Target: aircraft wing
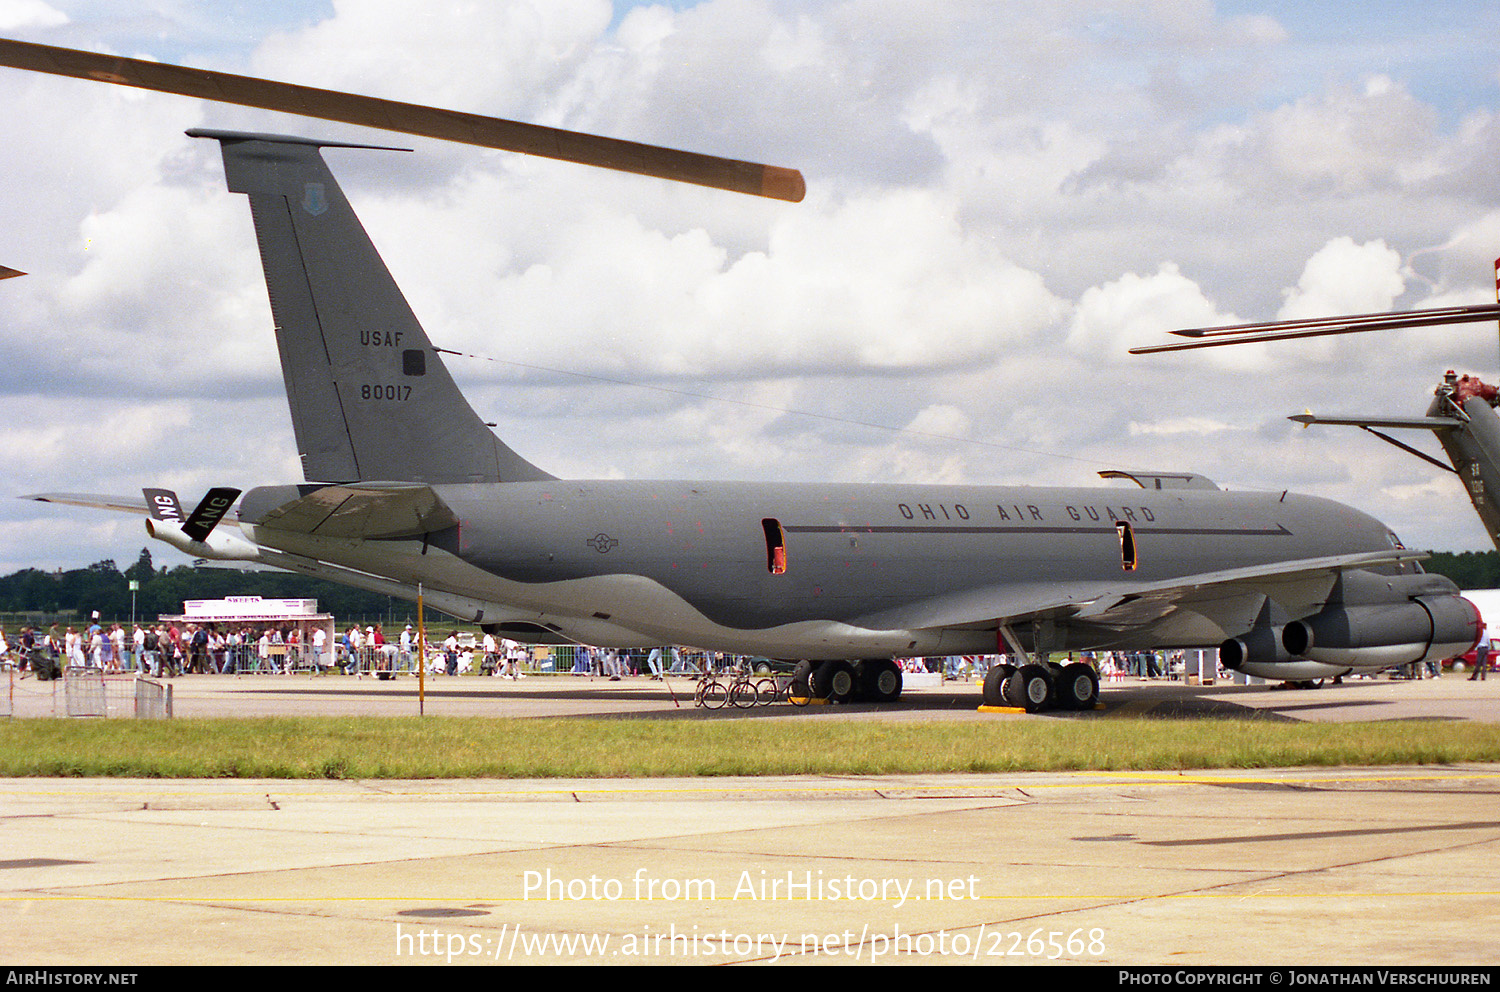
(122, 504)
(1231, 597)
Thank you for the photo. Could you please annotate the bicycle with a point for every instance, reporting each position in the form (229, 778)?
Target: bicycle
(746, 692)
(711, 692)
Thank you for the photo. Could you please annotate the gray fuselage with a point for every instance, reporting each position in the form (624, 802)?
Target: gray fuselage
(694, 562)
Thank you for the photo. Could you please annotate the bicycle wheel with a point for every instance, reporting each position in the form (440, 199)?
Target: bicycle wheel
(712, 694)
(766, 691)
(744, 694)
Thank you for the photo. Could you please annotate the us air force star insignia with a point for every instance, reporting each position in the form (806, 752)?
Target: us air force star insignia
(602, 542)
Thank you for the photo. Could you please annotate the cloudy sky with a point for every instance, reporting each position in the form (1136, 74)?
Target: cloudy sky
(1003, 197)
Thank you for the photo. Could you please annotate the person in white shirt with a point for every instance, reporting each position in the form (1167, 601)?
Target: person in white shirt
(514, 652)
(356, 650)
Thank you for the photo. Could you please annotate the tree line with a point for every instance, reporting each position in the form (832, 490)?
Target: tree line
(104, 587)
(1469, 569)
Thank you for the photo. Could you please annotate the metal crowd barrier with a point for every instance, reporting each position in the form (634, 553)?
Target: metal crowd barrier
(89, 692)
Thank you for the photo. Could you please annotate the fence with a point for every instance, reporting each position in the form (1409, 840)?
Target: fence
(89, 692)
(86, 692)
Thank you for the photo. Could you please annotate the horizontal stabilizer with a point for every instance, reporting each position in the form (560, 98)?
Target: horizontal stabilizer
(122, 504)
(389, 115)
(365, 511)
(6, 272)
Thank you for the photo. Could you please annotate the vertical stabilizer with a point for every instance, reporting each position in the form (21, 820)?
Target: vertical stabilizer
(370, 399)
(1473, 446)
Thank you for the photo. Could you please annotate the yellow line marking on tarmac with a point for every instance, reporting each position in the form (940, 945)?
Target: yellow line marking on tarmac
(875, 784)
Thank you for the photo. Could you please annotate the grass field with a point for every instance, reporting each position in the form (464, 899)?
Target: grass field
(330, 747)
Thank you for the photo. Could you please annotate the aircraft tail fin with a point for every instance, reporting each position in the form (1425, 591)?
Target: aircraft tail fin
(1464, 419)
(1474, 446)
(370, 398)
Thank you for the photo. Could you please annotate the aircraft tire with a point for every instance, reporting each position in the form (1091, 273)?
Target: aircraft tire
(834, 681)
(1036, 689)
(1013, 688)
(994, 684)
(801, 685)
(879, 681)
(1078, 687)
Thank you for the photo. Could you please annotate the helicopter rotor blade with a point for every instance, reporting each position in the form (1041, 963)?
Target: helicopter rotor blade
(430, 122)
(1283, 330)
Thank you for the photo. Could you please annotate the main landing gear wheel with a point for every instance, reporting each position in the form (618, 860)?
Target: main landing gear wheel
(879, 680)
(1078, 687)
(1030, 687)
(1013, 690)
(834, 681)
(994, 684)
(799, 691)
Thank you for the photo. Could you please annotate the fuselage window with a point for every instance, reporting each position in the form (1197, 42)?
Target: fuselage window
(775, 545)
(1128, 557)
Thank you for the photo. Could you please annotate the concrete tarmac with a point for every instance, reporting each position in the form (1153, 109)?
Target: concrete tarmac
(1279, 867)
(1316, 867)
(1451, 697)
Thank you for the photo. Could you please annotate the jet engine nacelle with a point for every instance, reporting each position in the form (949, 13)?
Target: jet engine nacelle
(1260, 653)
(217, 545)
(1261, 646)
(1295, 670)
(1380, 635)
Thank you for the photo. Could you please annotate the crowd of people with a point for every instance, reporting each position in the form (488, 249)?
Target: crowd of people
(165, 649)
(1140, 664)
(162, 649)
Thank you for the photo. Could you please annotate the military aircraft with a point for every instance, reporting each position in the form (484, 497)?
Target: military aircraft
(1462, 414)
(405, 489)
